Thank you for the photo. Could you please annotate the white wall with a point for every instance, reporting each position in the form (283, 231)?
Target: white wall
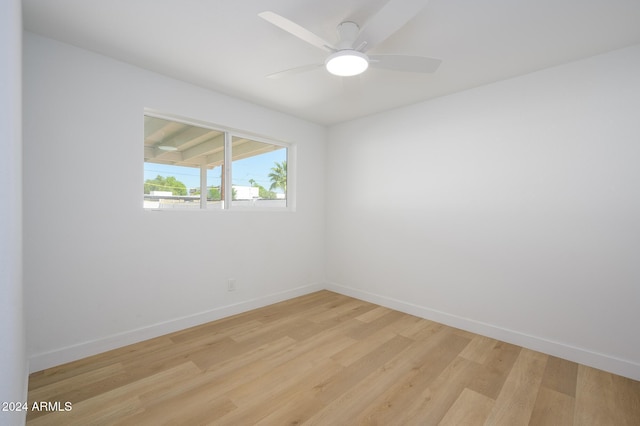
(13, 360)
(99, 271)
(527, 222)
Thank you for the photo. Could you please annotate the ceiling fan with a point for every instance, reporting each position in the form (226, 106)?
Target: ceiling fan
(348, 56)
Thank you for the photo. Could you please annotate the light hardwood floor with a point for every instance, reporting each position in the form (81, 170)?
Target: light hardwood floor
(328, 359)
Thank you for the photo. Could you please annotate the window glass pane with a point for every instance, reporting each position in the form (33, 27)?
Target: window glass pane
(176, 156)
(259, 173)
(168, 186)
(215, 192)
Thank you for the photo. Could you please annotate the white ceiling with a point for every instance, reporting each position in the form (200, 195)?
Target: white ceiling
(223, 44)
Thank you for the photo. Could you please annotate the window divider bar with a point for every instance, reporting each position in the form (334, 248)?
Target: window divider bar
(203, 186)
(228, 189)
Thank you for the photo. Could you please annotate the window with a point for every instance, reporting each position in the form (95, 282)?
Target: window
(189, 166)
(259, 173)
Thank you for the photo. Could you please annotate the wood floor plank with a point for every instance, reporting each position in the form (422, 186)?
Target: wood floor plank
(116, 403)
(423, 332)
(429, 406)
(428, 361)
(166, 358)
(193, 408)
(361, 348)
(355, 400)
(304, 329)
(276, 328)
(606, 399)
(233, 371)
(351, 307)
(561, 375)
(491, 378)
(329, 359)
(63, 388)
(552, 408)
(373, 314)
(311, 401)
(517, 398)
(286, 373)
(260, 404)
(61, 372)
(471, 408)
(214, 331)
(356, 372)
(479, 349)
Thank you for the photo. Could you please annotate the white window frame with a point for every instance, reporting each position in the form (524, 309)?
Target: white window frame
(229, 134)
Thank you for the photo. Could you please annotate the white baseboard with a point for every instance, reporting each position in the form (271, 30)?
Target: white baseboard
(60, 356)
(597, 360)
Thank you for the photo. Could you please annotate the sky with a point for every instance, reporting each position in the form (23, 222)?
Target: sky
(256, 168)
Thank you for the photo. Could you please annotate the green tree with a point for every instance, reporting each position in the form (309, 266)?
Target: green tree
(161, 183)
(262, 191)
(278, 176)
(214, 194)
(265, 194)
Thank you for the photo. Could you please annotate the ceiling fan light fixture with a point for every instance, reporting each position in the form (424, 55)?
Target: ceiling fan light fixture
(347, 63)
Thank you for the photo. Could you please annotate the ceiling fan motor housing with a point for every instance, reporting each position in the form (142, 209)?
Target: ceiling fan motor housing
(347, 34)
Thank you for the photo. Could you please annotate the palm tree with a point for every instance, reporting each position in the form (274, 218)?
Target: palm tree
(278, 176)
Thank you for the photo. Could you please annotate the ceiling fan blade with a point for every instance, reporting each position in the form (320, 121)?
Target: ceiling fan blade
(295, 29)
(294, 71)
(405, 63)
(393, 16)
